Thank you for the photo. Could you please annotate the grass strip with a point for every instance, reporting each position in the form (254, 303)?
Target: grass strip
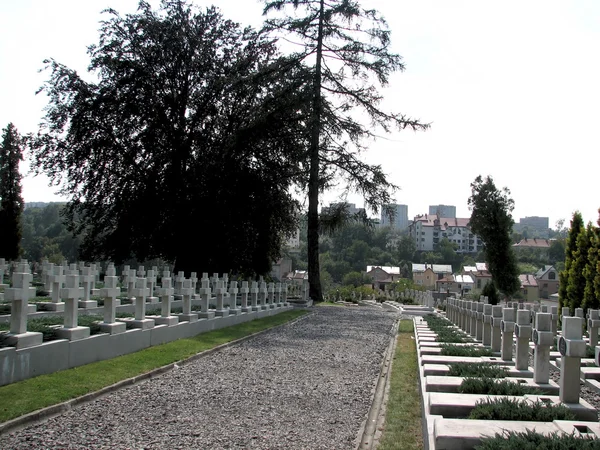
(402, 428)
(35, 393)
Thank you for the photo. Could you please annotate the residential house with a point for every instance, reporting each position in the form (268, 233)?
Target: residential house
(383, 275)
(547, 281)
(429, 229)
(481, 276)
(539, 246)
(455, 284)
(426, 275)
(529, 287)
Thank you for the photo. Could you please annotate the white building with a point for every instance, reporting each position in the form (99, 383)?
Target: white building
(399, 220)
(443, 211)
(428, 230)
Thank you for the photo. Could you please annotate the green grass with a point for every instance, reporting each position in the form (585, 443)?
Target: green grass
(403, 416)
(463, 369)
(530, 440)
(503, 408)
(46, 390)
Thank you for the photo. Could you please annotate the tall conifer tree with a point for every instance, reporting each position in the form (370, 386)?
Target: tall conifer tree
(11, 202)
(563, 277)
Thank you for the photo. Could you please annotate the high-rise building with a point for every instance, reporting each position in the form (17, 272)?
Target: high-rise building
(448, 211)
(399, 219)
(535, 226)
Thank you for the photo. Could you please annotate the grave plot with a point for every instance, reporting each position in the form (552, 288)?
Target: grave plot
(74, 330)
(482, 380)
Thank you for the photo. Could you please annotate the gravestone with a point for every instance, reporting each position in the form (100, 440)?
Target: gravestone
(19, 294)
(205, 293)
(57, 280)
(593, 325)
(543, 339)
(110, 292)
(523, 334)
(271, 295)
(88, 279)
(151, 283)
(508, 328)
(572, 348)
(496, 328)
(3, 270)
(71, 295)
(139, 293)
(220, 293)
(244, 290)
(262, 295)
(479, 324)
(233, 292)
(166, 293)
(554, 323)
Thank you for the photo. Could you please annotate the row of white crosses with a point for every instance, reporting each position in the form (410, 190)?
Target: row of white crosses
(497, 326)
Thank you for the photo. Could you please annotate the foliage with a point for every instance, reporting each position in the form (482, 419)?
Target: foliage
(491, 220)
(591, 297)
(45, 235)
(346, 50)
(193, 124)
(491, 386)
(530, 440)
(483, 370)
(11, 202)
(355, 279)
(576, 279)
(571, 246)
(491, 292)
(464, 350)
(504, 408)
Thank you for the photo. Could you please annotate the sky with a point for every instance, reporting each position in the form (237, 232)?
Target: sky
(511, 90)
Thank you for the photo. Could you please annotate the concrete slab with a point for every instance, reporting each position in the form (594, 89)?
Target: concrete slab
(435, 359)
(590, 373)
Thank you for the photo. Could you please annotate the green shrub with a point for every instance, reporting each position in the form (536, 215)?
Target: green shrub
(452, 337)
(463, 350)
(530, 440)
(465, 369)
(503, 408)
(491, 386)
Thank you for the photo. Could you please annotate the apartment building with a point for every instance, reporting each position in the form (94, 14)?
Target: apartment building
(428, 230)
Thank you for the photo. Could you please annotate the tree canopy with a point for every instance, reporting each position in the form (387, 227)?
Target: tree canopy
(11, 202)
(575, 230)
(346, 50)
(492, 221)
(185, 148)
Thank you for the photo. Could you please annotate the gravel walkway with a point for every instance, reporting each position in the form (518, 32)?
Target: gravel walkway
(302, 386)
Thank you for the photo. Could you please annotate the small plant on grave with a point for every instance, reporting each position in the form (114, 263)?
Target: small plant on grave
(155, 312)
(452, 337)
(123, 315)
(463, 350)
(590, 352)
(530, 440)
(4, 308)
(464, 369)
(504, 408)
(491, 386)
(93, 322)
(42, 299)
(177, 310)
(41, 292)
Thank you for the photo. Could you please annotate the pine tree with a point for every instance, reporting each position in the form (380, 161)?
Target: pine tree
(563, 276)
(345, 49)
(576, 280)
(11, 202)
(590, 298)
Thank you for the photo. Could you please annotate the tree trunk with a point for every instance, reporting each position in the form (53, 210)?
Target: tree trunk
(314, 272)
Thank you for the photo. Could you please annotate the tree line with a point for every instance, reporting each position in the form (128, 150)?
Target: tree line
(580, 279)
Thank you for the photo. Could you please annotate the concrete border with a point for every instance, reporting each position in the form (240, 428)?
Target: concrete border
(368, 430)
(60, 408)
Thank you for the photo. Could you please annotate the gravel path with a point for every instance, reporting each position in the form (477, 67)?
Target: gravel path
(303, 386)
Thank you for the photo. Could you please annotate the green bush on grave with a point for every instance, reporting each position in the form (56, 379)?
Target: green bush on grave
(504, 408)
(463, 350)
(452, 337)
(491, 386)
(464, 369)
(530, 440)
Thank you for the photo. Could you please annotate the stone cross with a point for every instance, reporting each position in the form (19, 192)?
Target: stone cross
(254, 296)
(151, 283)
(523, 333)
(543, 339)
(220, 293)
(579, 313)
(486, 338)
(278, 294)
(110, 292)
(3, 269)
(284, 294)
(554, 312)
(496, 327)
(244, 290)
(593, 325)
(186, 292)
(271, 295)
(205, 293)
(473, 317)
(508, 328)
(125, 275)
(140, 292)
(565, 313)
(233, 291)
(194, 279)
(572, 348)
(19, 294)
(166, 293)
(141, 272)
(71, 295)
(262, 295)
(479, 322)
(57, 279)
(88, 279)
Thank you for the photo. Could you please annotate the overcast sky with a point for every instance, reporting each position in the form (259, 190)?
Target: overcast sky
(511, 89)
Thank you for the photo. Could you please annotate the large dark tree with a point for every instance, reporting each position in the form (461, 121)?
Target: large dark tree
(576, 280)
(11, 202)
(590, 297)
(186, 146)
(492, 221)
(576, 228)
(346, 49)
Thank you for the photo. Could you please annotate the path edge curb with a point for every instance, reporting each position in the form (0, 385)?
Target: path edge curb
(54, 410)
